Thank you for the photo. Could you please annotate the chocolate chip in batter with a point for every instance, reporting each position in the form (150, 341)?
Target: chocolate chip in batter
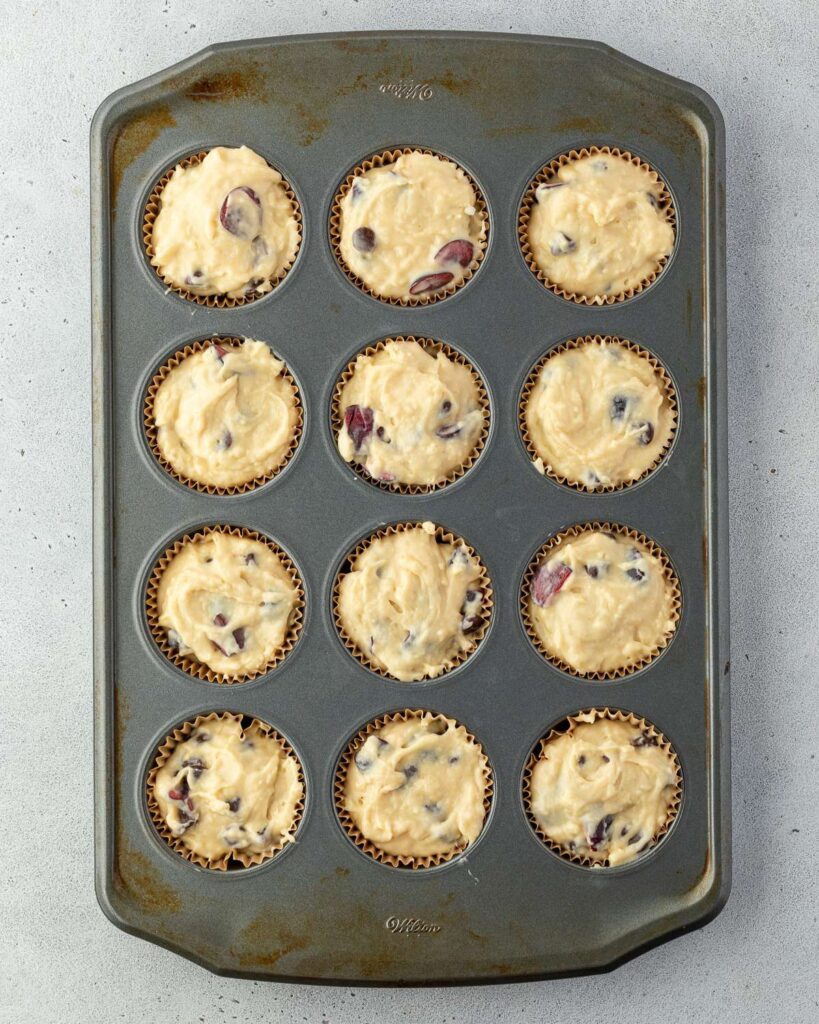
(446, 405)
(363, 763)
(364, 239)
(600, 165)
(196, 765)
(547, 582)
(645, 739)
(202, 737)
(356, 191)
(239, 637)
(430, 283)
(454, 759)
(220, 620)
(358, 419)
(635, 838)
(561, 244)
(646, 435)
(449, 431)
(409, 771)
(197, 278)
(433, 808)
(460, 250)
(653, 200)
(250, 558)
(234, 804)
(469, 623)
(381, 434)
(220, 649)
(546, 188)
(459, 557)
(638, 575)
(241, 212)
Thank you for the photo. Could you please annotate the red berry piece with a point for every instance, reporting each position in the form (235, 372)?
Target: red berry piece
(241, 212)
(358, 419)
(547, 582)
(239, 637)
(220, 351)
(220, 620)
(364, 239)
(458, 251)
(430, 283)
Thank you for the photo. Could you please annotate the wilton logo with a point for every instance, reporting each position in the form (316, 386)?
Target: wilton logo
(410, 926)
(408, 90)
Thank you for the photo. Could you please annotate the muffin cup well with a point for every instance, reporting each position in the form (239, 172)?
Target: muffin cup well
(151, 212)
(620, 531)
(233, 858)
(151, 433)
(348, 758)
(443, 537)
(433, 348)
(575, 343)
(567, 725)
(191, 665)
(546, 173)
(383, 159)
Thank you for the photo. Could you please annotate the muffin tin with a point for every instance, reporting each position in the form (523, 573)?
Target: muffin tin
(322, 910)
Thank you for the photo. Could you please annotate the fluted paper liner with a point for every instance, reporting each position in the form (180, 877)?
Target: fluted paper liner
(152, 208)
(181, 733)
(348, 758)
(567, 725)
(433, 348)
(384, 159)
(151, 432)
(546, 173)
(445, 537)
(542, 555)
(190, 664)
(575, 343)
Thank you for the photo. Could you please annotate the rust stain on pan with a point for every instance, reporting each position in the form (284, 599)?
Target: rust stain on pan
(266, 940)
(457, 86)
(361, 46)
(312, 124)
(133, 138)
(592, 125)
(511, 130)
(237, 84)
(136, 876)
(702, 391)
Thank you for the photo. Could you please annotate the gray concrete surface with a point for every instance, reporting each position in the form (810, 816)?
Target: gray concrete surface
(61, 960)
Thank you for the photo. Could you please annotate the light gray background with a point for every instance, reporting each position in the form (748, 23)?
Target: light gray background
(62, 961)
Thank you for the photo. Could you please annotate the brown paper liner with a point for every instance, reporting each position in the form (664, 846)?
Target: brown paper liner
(151, 433)
(151, 212)
(574, 343)
(382, 159)
(240, 857)
(434, 348)
(188, 663)
(350, 827)
(620, 531)
(445, 537)
(567, 725)
(547, 172)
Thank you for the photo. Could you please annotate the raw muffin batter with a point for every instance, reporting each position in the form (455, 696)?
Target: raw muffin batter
(226, 601)
(603, 790)
(601, 602)
(410, 604)
(409, 416)
(227, 789)
(225, 226)
(412, 227)
(226, 415)
(597, 227)
(598, 414)
(416, 788)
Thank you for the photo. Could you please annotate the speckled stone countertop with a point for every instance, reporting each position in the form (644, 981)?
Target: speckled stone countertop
(62, 960)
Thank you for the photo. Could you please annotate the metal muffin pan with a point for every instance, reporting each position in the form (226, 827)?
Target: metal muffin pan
(508, 909)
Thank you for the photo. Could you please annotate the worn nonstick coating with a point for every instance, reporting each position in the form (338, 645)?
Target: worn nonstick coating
(501, 106)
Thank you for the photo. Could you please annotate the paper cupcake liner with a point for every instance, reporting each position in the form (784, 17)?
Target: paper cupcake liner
(434, 348)
(482, 583)
(188, 663)
(575, 343)
(567, 725)
(620, 531)
(547, 172)
(151, 212)
(233, 859)
(382, 159)
(151, 433)
(345, 818)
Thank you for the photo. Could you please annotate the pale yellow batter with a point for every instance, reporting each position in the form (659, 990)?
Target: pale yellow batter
(226, 415)
(226, 601)
(597, 228)
(601, 602)
(416, 788)
(598, 414)
(411, 227)
(409, 416)
(603, 790)
(411, 604)
(225, 226)
(226, 789)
